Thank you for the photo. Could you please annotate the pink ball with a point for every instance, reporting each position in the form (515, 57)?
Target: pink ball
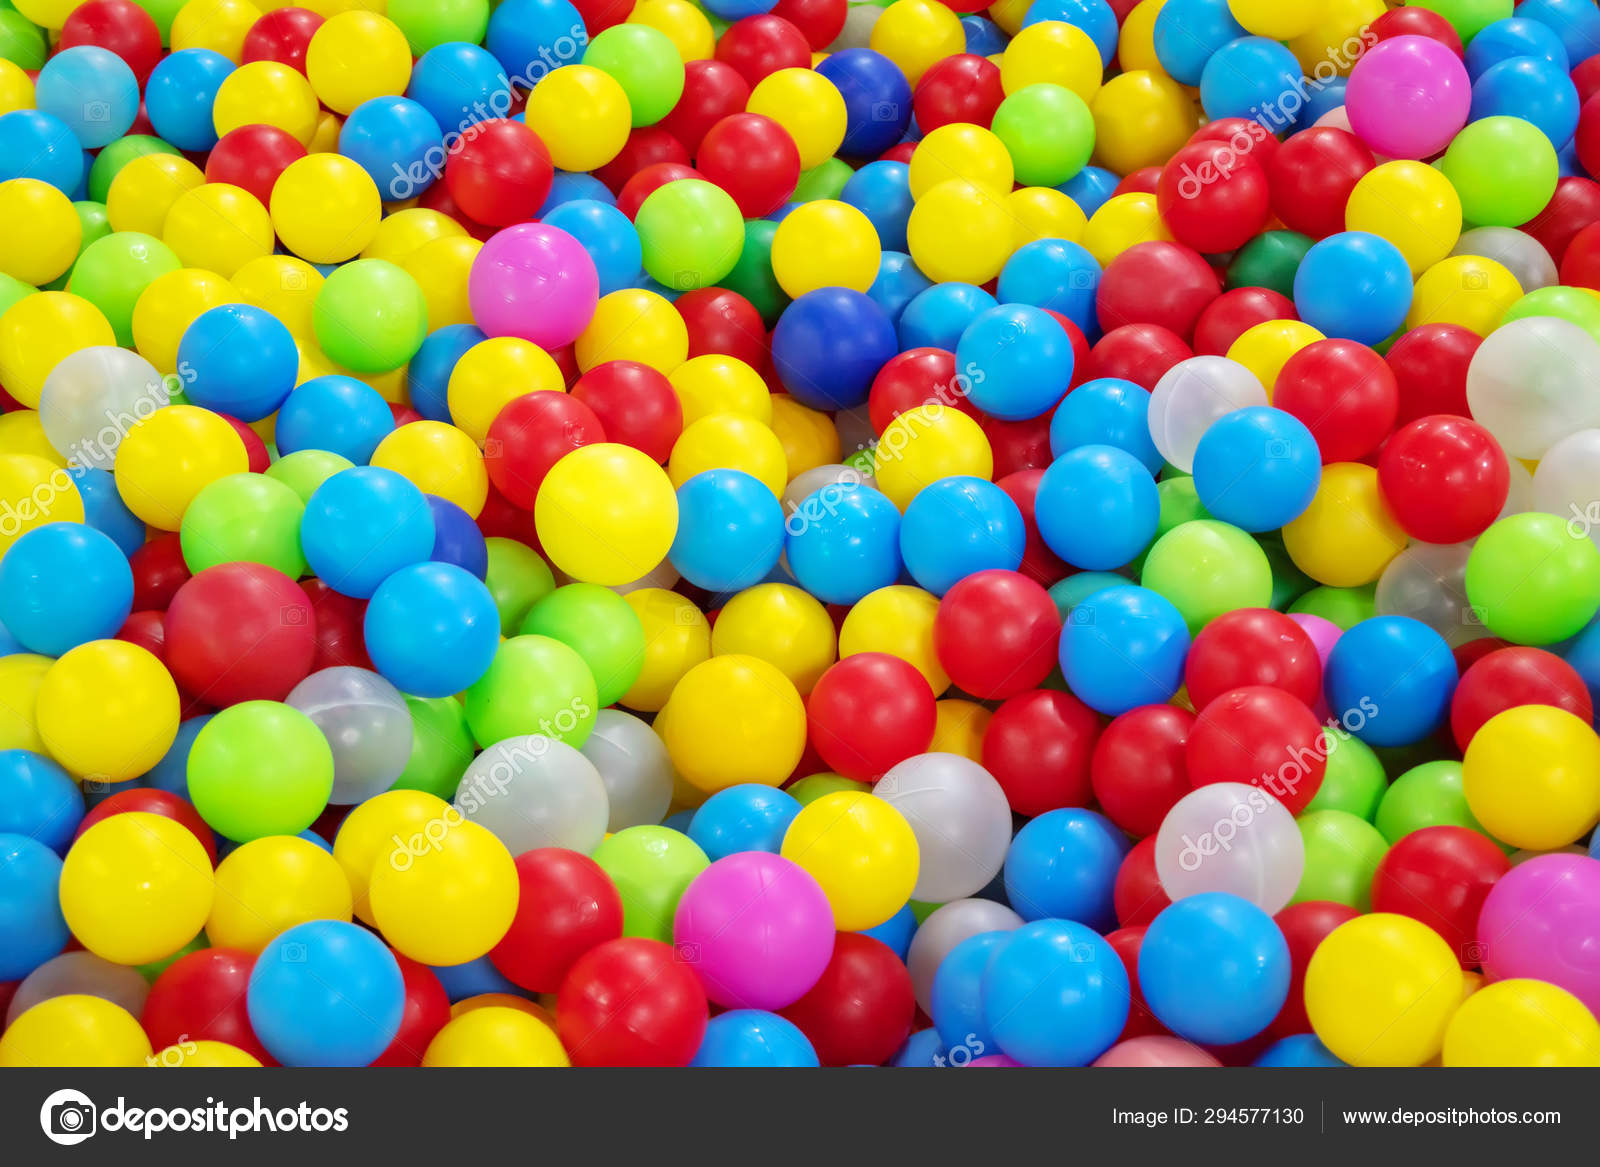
(995, 1062)
(1324, 635)
(535, 282)
(1156, 1052)
(1408, 96)
(1542, 920)
(756, 929)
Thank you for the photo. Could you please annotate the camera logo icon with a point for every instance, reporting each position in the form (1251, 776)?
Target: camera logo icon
(68, 1117)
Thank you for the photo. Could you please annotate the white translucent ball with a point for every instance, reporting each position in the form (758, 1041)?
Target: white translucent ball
(633, 763)
(1534, 381)
(1516, 251)
(1427, 582)
(1231, 837)
(367, 724)
(1193, 394)
(535, 792)
(961, 819)
(92, 398)
(943, 930)
(1567, 482)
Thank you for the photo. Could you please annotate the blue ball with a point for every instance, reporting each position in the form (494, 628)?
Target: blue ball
(1511, 37)
(1107, 411)
(937, 317)
(240, 360)
(1124, 647)
(1389, 680)
(30, 911)
(569, 187)
(607, 235)
(747, 817)
(62, 585)
(1576, 22)
(180, 93)
(843, 543)
(877, 100)
(9, 645)
(432, 629)
(104, 510)
(428, 374)
(171, 773)
(956, 995)
(335, 413)
(1097, 507)
(457, 539)
(1533, 89)
(38, 799)
(1583, 654)
(36, 145)
(1214, 968)
(679, 822)
(531, 38)
(1321, 98)
(1188, 32)
(1301, 1051)
(896, 932)
(326, 993)
(473, 979)
(898, 282)
(1353, 285)
(1054, 274)
(1092, 17)
(1257, 468)
(1056, 994)
(882, 192)
(829, 345)
(361, 526)
(732, 10)
(1018, 360)
(460, 84)
(984, 38)
(92, 90)
(397, 142)
(1247, 78)
(730, 531)
(1090, 188)
(1063, 865)
(742, 1038)
(957, 526)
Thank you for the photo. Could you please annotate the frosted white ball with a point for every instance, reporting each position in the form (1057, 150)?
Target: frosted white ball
(535, 792)
(1193, 394)
(961, 819)
(92, 398)
(1567, 482)
(1231, 837)
(633, 764)
(1534, 381)
(1518, 252)
(1427, 582)
(367, 724)
(943, 930)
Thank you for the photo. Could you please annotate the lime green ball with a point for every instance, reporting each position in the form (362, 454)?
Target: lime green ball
(1342, 856)
(1354, 781)
(1207, 568)
(430, 23)
(752, 276)
(441, 747)
(260, 768)
(691, 233)
(517, 579)
(244, 518)
(1574, 305)
(21, 41)
(1429, 795)
(12, 290)
(93, 225)
(822, 182)
(1532, 579)
(370, 316)
(922, 911)
(1469, 17)
(113, 272)
(1049, 132)
(1504, 169)
(162, 12)
(601, 627)
(645, 63)
(1345, 607)
(651, 867)
(156, 967)
(305, 470)
(535, 685)
(110, 161)
(1180, 503)
(864, 461)
(1270, 260)
(812, 787)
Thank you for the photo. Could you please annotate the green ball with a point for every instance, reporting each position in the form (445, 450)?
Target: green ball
(260, 768)
(807, 790)
(1342, 856)
(244, 518)
(156, 967)
(1504, 169)
(1574, 305)
(1068, 593)
(1345, 607)
(93, 225)
(1049, 132)
(1354, 781)
(441, 747)
(822, 182)
(1207, 568)
(1180, 503)
(535, 685)
(1289, 583)
(517, 579)
(1429, 795)
(752, 275)
(305, 470)
(691, 233)
(370, 316)
(162, 12)
(1469, 17)
(110, 161)
(428, 24)
(1532, 579)
(113, 272)
(1269, 261)
(645, 63)
(601, 627)
(864, 461)
(12, 290)
(22, 42)
(651, 867)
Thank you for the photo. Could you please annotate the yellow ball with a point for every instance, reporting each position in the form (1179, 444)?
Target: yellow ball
(326, 139)
(136, 887)
(808, 436)
(1333, 44)
(1123, 222)
(39, 231)
(1522, 1022)
(582, 115)
(1468, 290)
(1009, 14)
(960, 150)
(144, 190)
(1531, 775)
(38, 332)
(1141, 118)
(441, 269)
(677, 637)
(400, 234)
(917, 34)
(683, 23)
(495, 1036)
(202, 1055)
(325, 208)
(271, 884)
(606, 514)
(1042, 212)
(808, 106)
(782, 625)
(170, 457)
(218, 227)
(729, 441)
(108, 710)
(1266, 347)
(1274, 19)
(355, 57)
(75, 1031)
(1410, 204)
(501, 1001)
(377, 833)
(959, 728)
(22, 432)
(897, 620)
(634, 325)
(283, 285)
(825, 244)
(926, 444)
(218, 25)
(1348, 535)
(714, 383)
(735, 719)
(449, 901)
(172, 302)
(438, 459)
(16, 88)
(1136, 47)
(47, 14)
(493, 373)
(1052, 52)
(861, 851)
(21, 675)
(960, 231)
(1380, 990)
(269, 94)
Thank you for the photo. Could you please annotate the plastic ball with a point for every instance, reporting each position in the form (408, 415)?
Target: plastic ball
(42, 233)
(565, 907)
(1528, 374)
(355, 57)
(861, 851)
(762, 746)
(56, 325)
(915, 35)
(362, 525)
(535, 791)
(1125, 649)
(1191, 396)
(1229, 837)
(75, 1030)
(1047, 1009)
(62, 585)
(107, 708)
(242, 361)
(1408, 96)
(271, 885)
(448, 897)
(238, 632)
(606, 514)
(1348, 513)
(31, 874)
(136, 887)
(1554, 754)
(634, 325)
(690, 234)
(1108, 483)
(1476, 164)
(325, 208)
(245, 793)
(1509, 677)
(266, 93)
(752, 1037)
(1411, 205)
(1257, 468)
(1062, 865)
(326, 993)
(1522, 1022)
(1550, 603)
(960, 231)
(860, 1011)
(1243, 962)
(629, 1002)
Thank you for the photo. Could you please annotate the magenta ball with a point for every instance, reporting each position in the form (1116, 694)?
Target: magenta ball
(1324, 635)
(757, 930)
(1542, 920)
(1408, 96)
(536, 282)
(995, 1062)
(1156, 1052)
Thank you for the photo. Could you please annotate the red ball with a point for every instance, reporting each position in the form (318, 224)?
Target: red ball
(995, 633)
(201, 997)
(1344, 393)
(1445, 478)
(1586, 77)
(759, 46)
(1473, 651)
(159, 571)
(1146, 180)
(960, 88)
(1138, 770)
(631, 1002)
(1573, 207)
(868, 712)
(1429, 364)
(252, 158)
(1252, 646)
(1039, 563)
(499, 172)
(427, 1011)
(859, 1012)
(1126, 942)
(1080, 347)
(1141, 353)
(819, 21)
(723, 321)
(1441, 876)
(159, 802)
(118, 26)
(255, 450)
(1580, 266)
(647, 146)
(1587, 139)
(1160, 283)
(1247, 137)
(567, 906)
(599, 15)
(438, 198)
(899, 152)
(1510, 677)
(282, 35)
(148, 630)
(916, 377)
(501, 519)
(1018, 445)
(1038, 746)
(530, 435)
(712, 90)
(754, 159)
(1304, 927)
(240, 632)
(635, 404)
(1417, 22)
(1234, 313)
(1262, 737)
(1311, 176)
(649, 180)
(1137, 894)
(1212, 197)
(340, 621)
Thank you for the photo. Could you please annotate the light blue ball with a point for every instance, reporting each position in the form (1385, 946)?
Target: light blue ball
(92, 90)
(1214, 968)
(30, 909)
(1389, 680)
(361, 526)
(461, 84)
(180, 93)
(1124, 647)
(937, 317)
(747, 817)
(431, 629)
(1188, 32)
(956, 995)
(104, 510)
(1097, 507)
(882, 192)
(958, 526)
(1301, 1051)
(896, 932)
(38, 799)
(240, 360)
(1018, 361)
(1107, 411)
(1090, 188)
(335, 413)
(1054, 274)
(750, 1038)
(62, 585)
(326, 993)
(844, 543)
(607, 235)
(1353, 285)
(1055, 994)
(171, 773)
(397, 142)
(730, 531)
(1063, 865)
(428, 374)
(1257, 468)
(37, 145)
(1249, 78)
(897, 283)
